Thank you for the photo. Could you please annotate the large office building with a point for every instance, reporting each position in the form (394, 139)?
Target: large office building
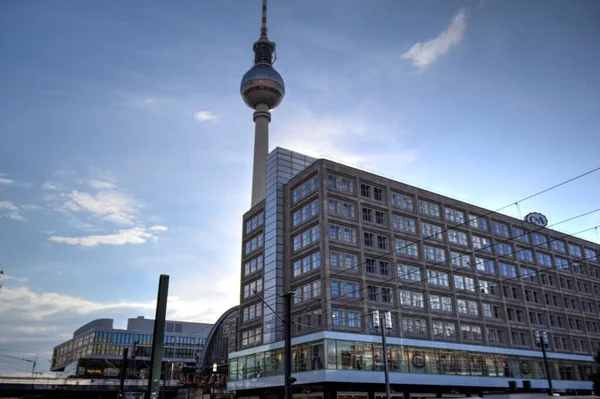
(96, 349)
(464, 289)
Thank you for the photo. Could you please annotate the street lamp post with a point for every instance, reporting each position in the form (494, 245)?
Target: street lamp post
(541, 339)
(214, 378)
(377, 323)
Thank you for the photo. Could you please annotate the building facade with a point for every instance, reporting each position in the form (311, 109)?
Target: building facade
(466, 288)
(96, 349)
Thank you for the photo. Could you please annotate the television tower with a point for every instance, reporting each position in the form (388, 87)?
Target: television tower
(262, 89)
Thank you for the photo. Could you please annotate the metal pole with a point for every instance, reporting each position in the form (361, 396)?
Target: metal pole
(123, 372)
(158, 337)
(287, 353)
(550, 390)
(385, 360)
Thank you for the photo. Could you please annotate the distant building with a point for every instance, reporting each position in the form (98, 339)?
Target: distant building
(96, 349)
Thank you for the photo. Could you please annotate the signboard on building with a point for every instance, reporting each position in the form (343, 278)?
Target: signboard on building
(536, 218)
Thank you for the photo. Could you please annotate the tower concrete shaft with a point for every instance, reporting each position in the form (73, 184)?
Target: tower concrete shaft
(262, 117)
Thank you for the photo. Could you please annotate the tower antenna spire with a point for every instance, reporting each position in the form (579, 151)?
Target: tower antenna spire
(262, 89)
(263, 27)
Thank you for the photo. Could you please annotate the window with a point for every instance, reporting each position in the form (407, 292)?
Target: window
(252, 336)
(408, 248)
(379, 294)
(488, 287)
(252, 312)
(253, 244)
(537, 318)
(471, 333)
(464, 283)
(496, 336)
(532, 296)
(341, 233)
(381, 218)
(539, 240)
(584, 287)
(460, 260)
(552, 300)
(407, 272)
(378, 194)
(340, 183)
(253, 265)
(340, 288)
(437, 278)
(574, 250)
(566, 284)
(353, 319)
(307, 264)
(367, 215)
(404, 223)
(511, 292)
(383, 270)
(382, 241)
(435, 254)
(485, 265)
(548, 279)
(503, 249)
(365, 190)
(403, 201)
(343, 260)
(562, 343)
(414, 326)
(561, 263)
(557, 321)
(507, 270)
(500, 229)
(543, 259)
(440, 303)
(467, 307)
(519, 338)
(491, 311)
(455, 216)
(478, 222)
(458, 237)
(305, 238)
(346, 318)
(575, 324)
(433, 231)
(305, 189)
(255, 222)
(558, 246)
(524, 255)
(341, 208)
(529, 275)
(590, 254)
(429, 208)
(444, 329)
(305, 213)
(520, 235)
(252, 286)
(411, 298)
(481, 243)
(307, 292)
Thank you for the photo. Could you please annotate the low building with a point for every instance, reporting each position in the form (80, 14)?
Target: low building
(96, 349)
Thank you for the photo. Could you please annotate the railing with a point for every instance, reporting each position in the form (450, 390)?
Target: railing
(82, 381)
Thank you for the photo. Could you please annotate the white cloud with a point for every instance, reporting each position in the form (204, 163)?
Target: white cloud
(136, 235)
(204, 116)
(9, 210)
(6, 180)
(53, 186)
(158, 228)
(30, 207)
(15, 278)
(101, 185)
(111, 206)
(424, 54)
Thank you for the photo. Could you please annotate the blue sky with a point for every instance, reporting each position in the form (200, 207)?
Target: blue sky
(125, 149)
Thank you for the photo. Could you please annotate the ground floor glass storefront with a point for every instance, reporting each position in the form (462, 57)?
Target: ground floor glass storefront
(334, 354)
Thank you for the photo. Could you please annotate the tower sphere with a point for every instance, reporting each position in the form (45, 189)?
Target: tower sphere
(262, 84)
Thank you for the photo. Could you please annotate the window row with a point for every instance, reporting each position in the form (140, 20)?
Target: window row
(305, 189)
(255, 222)
(305, 213)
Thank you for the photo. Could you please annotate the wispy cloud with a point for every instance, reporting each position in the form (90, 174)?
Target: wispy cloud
(5, 180)
(101, 185)
(424, 54)
(15, 278)
(204, 116)
(136, 235)
(9, 210)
